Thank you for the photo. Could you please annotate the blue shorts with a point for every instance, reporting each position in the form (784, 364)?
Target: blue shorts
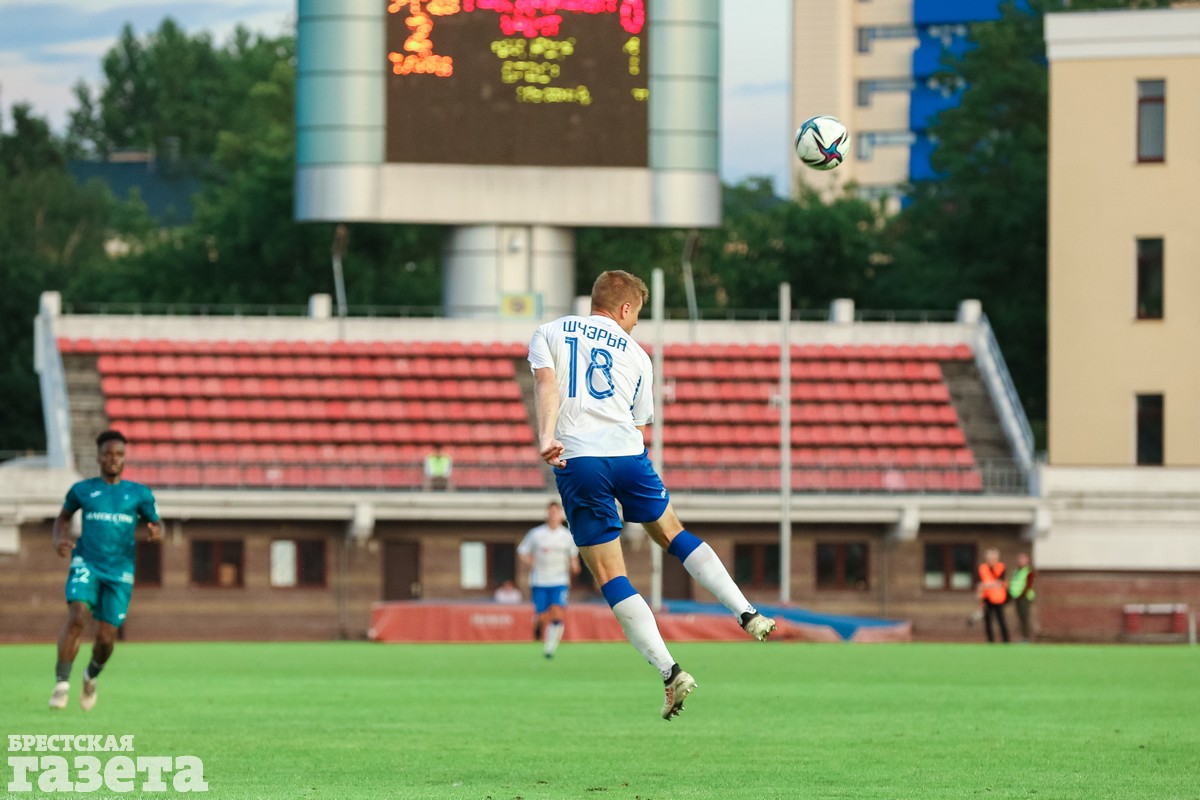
(591, 486)
(546, 596)
(108, 599)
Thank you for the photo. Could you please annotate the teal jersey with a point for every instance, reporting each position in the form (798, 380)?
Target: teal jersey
(110, 517)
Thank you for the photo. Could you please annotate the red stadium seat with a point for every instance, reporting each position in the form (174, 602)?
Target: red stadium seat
(359, 410)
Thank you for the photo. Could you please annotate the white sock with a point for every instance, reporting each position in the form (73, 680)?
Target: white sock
(553, 635)
(637, 620)
(703, 565)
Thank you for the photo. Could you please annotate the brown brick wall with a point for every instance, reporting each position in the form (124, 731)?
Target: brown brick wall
(440, 543)
(32, 607)
(1079, 606)
(896, 573)
(1070, 606)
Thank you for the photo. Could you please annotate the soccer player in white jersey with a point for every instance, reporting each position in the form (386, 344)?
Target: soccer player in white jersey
(552, 558)
(593, 392)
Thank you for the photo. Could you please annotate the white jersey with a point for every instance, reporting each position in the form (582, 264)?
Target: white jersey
(552, 550)
(605, 385)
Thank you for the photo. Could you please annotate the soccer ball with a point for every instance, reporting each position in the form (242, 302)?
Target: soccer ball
(822, 142)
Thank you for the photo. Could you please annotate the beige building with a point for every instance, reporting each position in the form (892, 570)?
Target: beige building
(1123, 480)
(1124, 241)
(840, 50)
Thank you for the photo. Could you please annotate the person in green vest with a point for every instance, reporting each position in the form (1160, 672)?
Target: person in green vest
(1020, 588)
(438, 468)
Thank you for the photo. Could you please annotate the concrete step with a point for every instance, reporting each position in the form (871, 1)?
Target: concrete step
(979, 420)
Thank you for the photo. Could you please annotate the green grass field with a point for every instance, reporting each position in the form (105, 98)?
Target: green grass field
(358, 720)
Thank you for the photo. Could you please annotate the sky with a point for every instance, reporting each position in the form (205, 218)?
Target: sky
(47, 47)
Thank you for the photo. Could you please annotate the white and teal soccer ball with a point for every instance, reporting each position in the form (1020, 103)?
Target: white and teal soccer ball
(822, 142)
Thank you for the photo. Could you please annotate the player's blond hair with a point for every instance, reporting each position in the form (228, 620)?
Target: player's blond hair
(615, 288)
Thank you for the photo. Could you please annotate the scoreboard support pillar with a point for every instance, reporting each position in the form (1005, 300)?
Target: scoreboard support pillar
(510, 271)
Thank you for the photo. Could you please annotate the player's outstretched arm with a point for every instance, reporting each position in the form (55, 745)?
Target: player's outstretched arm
(546, 402)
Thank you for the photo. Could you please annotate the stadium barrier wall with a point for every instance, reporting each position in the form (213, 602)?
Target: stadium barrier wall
(589, 622)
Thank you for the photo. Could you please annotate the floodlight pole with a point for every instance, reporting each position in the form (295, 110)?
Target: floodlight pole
(339, 282)
(785, 443)
(656, 306)
(689, 282)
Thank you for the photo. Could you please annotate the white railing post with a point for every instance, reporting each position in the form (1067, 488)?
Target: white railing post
(785, 443)
(657, 306)
(47, 361)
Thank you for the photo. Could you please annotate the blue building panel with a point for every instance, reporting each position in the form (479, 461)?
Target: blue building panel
(926, 103)
(949, 12)
(920, 167)
(942, 26)
(927, 58)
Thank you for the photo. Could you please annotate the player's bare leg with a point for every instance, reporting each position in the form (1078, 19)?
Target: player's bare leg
(106, 639)
(78, 615)
(607, 564)
(706, 568)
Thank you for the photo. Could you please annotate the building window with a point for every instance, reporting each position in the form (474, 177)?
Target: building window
(298, 562)
(950, 566)
(486, 565)
(1150, 430)
(1151, 122)
(842, 566)
(870, 34)
(867, 142)
(868, 88)
(217, 563)
(756, 565)
(147, 564)
(947, 34)
(1149, 278)
(502, 563)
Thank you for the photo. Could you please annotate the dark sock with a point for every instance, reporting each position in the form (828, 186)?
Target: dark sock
(675, 670)
(93, 669)
(62, 670)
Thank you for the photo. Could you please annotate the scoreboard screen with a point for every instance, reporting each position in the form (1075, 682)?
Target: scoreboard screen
(555, 83)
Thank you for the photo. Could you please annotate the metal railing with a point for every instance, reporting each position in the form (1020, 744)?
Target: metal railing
(433, 312)
(187, 309)
(998, 379)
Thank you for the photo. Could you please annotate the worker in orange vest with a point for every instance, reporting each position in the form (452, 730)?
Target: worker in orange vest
(993, 591)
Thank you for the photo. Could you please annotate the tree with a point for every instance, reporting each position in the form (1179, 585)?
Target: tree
(243, 246)
(826, 250)
(172, 87)
(50, 229)
(823, 248)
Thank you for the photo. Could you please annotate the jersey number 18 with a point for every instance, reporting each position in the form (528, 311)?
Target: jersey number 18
(602, 361)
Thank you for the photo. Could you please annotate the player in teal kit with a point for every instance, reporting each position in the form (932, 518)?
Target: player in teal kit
(100, 579)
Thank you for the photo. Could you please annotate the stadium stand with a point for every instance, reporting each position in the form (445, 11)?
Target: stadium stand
(864, 418)
(363, 414)
(910, 456)
(295, 414)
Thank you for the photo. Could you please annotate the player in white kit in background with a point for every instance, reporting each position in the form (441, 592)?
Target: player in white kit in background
(593, 389)
(552, 558)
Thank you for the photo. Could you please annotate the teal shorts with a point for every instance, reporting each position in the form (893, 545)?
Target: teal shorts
(108, 599)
